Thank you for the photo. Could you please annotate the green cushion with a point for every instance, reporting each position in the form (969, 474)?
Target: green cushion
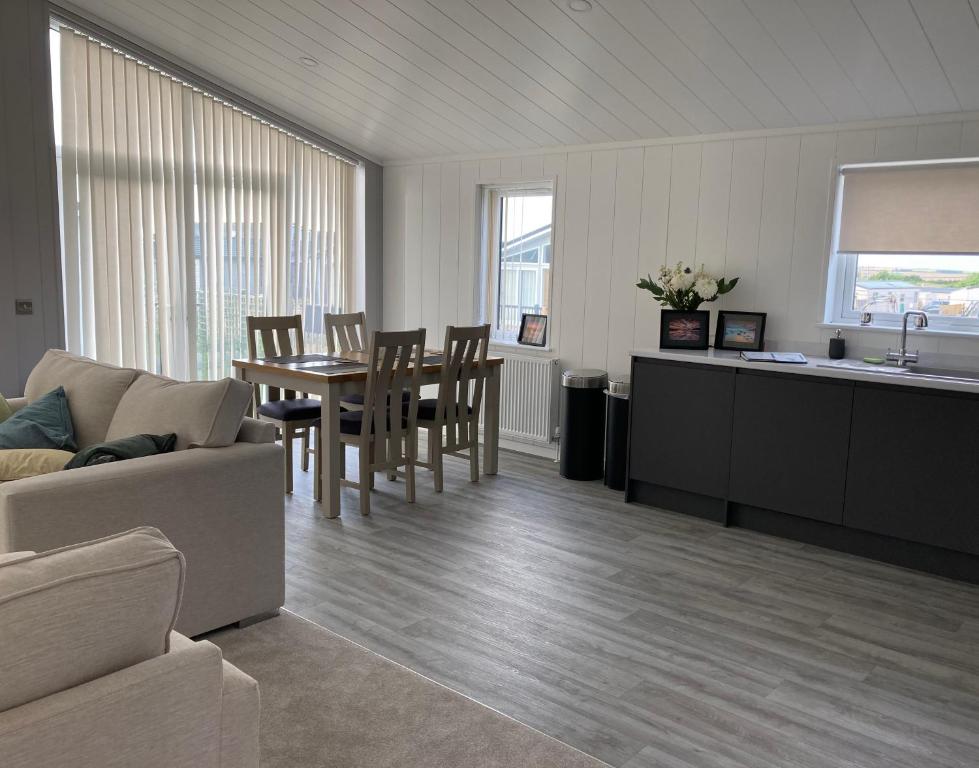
(134, 447)
(5, 410)
(45, 423)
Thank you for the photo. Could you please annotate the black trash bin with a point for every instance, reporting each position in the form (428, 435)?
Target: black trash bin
(583, 424)
(616, 431)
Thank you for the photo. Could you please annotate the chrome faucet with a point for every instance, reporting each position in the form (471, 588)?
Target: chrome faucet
(902, 357)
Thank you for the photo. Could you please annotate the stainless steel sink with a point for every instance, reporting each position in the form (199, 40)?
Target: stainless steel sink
(943, 373)
(924, 371)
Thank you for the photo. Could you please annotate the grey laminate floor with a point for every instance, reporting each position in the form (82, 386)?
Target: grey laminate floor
(642, 637)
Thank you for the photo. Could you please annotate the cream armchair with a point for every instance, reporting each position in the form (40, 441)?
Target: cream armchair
(93, 675)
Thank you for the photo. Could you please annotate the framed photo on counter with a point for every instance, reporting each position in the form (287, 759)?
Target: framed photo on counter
(740, 331)
(684, 330)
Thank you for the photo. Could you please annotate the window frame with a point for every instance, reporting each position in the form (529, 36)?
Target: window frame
(842, 280)
(487, 287)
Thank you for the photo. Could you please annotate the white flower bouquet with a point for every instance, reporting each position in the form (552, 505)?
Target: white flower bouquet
(681, 288)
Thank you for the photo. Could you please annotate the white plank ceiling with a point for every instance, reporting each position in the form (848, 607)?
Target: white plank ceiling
(402, 79)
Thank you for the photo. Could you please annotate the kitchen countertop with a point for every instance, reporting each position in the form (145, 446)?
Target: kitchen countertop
(866, 372)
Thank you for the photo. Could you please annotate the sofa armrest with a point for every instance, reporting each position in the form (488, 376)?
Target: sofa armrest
(223, 508)
(255, 431)
(240, 712)
(160, 713)
(16, 403)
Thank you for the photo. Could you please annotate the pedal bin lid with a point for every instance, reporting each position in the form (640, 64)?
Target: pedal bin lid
(584, 378)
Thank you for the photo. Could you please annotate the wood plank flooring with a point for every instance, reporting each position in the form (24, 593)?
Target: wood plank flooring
(645, 638)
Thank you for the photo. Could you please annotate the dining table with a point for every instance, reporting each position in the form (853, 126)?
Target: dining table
(333, 376)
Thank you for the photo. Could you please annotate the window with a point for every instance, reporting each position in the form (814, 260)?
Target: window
(516, 274)
(907, 238)
(183, 214)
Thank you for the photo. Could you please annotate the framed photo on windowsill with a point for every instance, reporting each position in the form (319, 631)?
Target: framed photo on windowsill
(533, 330)
(743, 331)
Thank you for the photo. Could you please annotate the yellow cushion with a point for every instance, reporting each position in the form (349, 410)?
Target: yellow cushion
(18, 463)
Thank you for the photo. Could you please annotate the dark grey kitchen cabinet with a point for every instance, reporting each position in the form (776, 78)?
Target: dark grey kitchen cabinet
(914, 466)
(789, 448)
(680, 431)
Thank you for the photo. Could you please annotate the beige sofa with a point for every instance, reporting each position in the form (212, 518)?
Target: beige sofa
(93, 675)
(221, 503)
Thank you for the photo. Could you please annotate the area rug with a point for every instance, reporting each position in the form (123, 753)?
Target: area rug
(329, 703)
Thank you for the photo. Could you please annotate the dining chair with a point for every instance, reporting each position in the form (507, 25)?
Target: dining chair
(348, 333)
(385, 441)
(292, 415)
(345, 332)
(452, 419)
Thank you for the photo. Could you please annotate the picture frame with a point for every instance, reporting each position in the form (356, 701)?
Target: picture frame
(741, 331)
(684, 330)
(533, 330)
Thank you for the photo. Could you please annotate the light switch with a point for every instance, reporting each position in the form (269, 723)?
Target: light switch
(23, 307)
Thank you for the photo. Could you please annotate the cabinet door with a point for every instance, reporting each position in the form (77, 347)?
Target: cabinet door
(790, 442)
(914, 467)
(680, 432)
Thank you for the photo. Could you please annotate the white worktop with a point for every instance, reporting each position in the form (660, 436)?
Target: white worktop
(866, 372)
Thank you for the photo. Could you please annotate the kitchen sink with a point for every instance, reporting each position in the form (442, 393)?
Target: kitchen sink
(923, 371)
(943, 373)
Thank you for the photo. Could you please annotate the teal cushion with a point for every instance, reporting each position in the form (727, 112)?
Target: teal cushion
(45, 423)
(134, 447)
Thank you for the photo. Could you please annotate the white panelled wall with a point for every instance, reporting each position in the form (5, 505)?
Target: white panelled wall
(755, 206)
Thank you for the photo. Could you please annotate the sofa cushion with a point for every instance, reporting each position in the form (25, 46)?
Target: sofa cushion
(135, 447)
(45, 423)
(5, 410)
(93, 389)
(203, 414)
(82, 612)
(19, 463)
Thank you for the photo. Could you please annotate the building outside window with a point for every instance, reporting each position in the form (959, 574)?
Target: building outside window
(517, 268)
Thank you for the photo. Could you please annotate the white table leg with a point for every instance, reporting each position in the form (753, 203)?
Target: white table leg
(491, 422)
(330, 417)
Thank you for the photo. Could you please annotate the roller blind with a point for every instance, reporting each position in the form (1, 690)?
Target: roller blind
(910, 209)
(182, 215)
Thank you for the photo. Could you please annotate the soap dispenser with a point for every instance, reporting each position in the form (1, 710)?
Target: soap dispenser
(837, 346)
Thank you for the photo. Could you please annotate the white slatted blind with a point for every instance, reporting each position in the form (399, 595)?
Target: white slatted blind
(182, 215)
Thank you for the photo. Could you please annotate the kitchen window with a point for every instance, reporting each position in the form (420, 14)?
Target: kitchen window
(517, 224)
(906, 237)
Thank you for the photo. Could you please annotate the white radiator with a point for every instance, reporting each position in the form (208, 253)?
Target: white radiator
(529, 399)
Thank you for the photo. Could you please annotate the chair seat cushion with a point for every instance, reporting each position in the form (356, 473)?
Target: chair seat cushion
(300, 409)
(351, 422)
(358, 399)
(426, 409)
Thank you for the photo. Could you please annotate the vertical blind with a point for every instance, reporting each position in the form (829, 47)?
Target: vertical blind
(182, 215)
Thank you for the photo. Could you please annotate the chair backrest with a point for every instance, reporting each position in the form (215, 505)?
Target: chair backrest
(274, 333)
(388, 374)
(345, 333)
(463, 368)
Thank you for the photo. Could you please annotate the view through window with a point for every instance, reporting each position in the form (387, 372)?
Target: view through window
(183, 214)
(520, 255)
(947, 286)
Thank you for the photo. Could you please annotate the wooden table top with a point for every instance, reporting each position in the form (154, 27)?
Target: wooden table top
(340, 367)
